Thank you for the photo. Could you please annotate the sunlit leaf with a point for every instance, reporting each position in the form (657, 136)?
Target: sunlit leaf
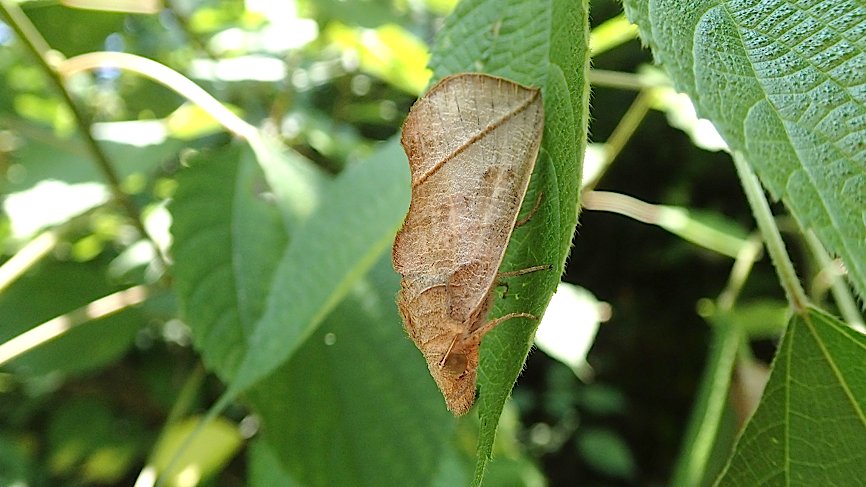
(210, 450)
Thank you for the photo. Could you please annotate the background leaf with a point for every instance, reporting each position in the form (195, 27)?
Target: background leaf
(222, 273)
(783, 83)
(356, 382)
(336, 245)
(481, 35)
(816, 396)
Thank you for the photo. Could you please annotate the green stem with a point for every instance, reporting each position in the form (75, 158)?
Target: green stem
(165, 76)
(183, 21)
(43, 54)
(726, 348)
(620, 135)
(619, 80)
(841, 292)
(53, 328)
(27, 256)
(772, 238)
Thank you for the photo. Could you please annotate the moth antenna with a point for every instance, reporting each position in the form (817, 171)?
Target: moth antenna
(448, 352)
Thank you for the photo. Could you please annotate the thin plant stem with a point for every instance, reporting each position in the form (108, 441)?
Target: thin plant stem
(183, 21)
(26, 257)
(748, 255)
(180, 409)
(841, 292)
(619, 80)
(165, 76)
(725, 354)
(45, 57)
(624, 130)
(673, 219)
(772, 238)
(55, 327)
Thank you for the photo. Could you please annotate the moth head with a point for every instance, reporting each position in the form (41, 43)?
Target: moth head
(455, 373)
(455, 364)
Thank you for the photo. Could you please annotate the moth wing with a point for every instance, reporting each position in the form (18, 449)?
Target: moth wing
(472, 142)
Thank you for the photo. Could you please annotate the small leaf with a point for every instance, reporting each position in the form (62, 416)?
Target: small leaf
(209, 451)
(810, 427)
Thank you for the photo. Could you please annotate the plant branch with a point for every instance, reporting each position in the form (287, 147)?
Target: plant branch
(770, 232)
(728, 340)
(165, 76)
(27, 257)
(746, 258)
(47, 59)
(621, 134)
(841, 292)
(673, 219)
(55, 327)
(620, 80)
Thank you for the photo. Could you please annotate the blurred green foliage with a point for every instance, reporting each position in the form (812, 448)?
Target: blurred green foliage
(307, 211)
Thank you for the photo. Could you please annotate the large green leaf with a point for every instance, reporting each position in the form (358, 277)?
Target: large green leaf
(233, 260)
(783, 82)
(359, 214)
(810, 428)
(541, 44)
(358, 397)
(227, 240)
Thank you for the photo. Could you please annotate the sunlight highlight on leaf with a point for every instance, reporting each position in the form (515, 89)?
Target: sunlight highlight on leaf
(388, 52)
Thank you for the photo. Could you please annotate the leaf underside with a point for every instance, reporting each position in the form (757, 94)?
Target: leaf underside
(784, 83)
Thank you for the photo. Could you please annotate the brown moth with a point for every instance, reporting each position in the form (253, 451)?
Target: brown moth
(472, 141)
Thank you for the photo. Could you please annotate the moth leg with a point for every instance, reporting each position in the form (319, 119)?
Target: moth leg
(519, 272)
(483, 329)
(525, 220)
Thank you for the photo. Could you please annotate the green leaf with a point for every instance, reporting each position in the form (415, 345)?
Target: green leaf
(265, 468)
(541, 44)
(339, 242)
(227, 240)
(783, 83)
(208, 453)
(357, 395)
(810, 427)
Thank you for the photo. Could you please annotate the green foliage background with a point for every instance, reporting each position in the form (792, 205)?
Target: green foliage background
(266, 276)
